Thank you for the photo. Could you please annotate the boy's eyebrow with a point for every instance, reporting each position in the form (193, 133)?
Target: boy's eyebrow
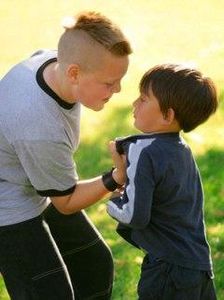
(113, 80)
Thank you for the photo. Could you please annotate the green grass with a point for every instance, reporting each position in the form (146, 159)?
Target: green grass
(213, 177)
(160, 31)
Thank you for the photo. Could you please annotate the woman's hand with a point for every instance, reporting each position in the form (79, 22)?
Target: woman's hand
(119, 173)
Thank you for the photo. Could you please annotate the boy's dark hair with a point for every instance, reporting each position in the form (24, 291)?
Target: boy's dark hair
(192, 96)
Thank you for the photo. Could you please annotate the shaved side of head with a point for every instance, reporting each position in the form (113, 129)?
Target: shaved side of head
(79, 48)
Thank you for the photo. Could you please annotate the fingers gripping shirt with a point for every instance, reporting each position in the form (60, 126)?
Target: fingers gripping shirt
(134, 207)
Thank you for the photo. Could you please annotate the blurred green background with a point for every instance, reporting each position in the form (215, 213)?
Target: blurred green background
(187, 31)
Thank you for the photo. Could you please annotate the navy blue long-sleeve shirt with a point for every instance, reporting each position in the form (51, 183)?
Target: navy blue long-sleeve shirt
(161, 209)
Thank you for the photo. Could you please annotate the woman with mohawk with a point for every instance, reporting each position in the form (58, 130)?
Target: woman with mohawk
(49, 249)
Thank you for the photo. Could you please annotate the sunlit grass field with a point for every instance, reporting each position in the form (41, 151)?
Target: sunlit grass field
(186, 31)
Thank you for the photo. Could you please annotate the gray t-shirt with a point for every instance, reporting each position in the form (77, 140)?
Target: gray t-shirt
(39, 133)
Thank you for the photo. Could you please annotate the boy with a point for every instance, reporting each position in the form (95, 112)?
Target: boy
(161, 208)
(52, 251)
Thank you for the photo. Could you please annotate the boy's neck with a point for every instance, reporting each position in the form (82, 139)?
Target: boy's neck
(171, 128)
(162, 131)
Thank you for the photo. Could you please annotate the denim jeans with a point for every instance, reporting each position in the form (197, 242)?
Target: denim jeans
(55, 257)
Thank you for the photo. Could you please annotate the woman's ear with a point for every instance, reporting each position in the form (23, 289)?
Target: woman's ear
(72, 73)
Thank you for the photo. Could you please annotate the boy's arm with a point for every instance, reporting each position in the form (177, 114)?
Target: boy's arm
(133, 208)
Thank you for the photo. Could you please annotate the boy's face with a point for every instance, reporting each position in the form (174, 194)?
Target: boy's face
(95, 88)
(147, 114)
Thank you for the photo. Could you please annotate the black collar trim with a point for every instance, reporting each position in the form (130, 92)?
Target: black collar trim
(44, 86)
(121, 141)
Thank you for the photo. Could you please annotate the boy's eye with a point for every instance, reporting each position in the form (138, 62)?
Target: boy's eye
(109, 84)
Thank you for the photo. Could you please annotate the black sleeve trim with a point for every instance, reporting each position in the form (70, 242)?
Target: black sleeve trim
(55, 193)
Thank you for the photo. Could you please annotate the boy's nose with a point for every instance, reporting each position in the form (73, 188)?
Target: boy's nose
(116, 88)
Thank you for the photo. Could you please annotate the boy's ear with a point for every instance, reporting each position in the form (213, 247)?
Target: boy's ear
(169, 117)
(72, 73)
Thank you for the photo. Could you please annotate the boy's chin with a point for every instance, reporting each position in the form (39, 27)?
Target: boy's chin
(135, 125)
(98, 108)
(139, 128)
(95, 107)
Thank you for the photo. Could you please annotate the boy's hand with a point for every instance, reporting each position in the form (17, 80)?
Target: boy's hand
(119, 173)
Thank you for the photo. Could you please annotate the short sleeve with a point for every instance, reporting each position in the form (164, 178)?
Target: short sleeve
(49, 166)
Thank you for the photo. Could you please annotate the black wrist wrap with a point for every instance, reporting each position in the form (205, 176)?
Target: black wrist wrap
(109, 182)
